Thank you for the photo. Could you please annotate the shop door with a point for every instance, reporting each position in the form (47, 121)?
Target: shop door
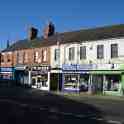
(97, 83)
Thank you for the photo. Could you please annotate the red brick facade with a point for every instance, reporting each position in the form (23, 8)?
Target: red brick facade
(26, 57)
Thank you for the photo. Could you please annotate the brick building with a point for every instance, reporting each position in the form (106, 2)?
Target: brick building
(28, 60)
(91, 57)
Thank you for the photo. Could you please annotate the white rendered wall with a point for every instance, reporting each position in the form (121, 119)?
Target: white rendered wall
(91, 52)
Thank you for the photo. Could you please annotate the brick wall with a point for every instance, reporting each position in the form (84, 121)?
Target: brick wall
(27, 57)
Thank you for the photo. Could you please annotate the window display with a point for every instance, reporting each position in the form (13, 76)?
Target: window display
(112, 83)
(71, 82)
(83, 82)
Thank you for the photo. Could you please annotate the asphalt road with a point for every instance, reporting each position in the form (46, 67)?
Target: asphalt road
(22, 106)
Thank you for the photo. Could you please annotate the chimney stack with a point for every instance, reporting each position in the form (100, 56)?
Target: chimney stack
(7, 44)
(49, 30)
(32, 33)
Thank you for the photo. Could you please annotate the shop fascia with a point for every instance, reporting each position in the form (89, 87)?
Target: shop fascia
(91, 67)
(40, 68)
(77, 67)
(7, 71)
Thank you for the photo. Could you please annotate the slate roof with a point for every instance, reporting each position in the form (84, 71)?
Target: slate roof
(85, 35)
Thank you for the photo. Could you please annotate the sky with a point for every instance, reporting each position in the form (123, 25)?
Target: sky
(16, 16)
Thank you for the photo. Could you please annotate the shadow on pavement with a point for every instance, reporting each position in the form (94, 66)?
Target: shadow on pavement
(29, 106)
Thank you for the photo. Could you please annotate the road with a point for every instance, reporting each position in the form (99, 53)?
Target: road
(19, 105)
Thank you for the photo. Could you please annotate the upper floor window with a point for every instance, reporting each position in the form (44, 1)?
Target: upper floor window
(71, 53)
(35, 56)
(25, 55)
(19, 57)
(8, 57)
(56, 54)
(114, 50)
(44, 55)
(100, 51)
(2, 58)
(82, 52)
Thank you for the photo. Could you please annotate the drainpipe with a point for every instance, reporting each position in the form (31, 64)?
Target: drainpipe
(29, 78)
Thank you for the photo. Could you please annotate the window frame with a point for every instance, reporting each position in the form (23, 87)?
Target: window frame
(71, 53)
(113, 50)
(44, 55)
(36, 54)
(100, 51)
(56, 54)
(84, 52)
(20, 57)
(2, 58)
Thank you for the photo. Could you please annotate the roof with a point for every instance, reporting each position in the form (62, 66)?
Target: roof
(93, 34)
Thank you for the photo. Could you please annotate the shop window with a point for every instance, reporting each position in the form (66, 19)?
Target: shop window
(33, 81)
(83, 82)
(71, 53)
(100, 51)
(56, 54)
(112, 83)
(70, 82)
(82, 52)
(44, 80)
(39, 80)
(44, 84)
(114, 50)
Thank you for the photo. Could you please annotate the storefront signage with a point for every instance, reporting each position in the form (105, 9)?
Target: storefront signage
(77, 67)
(6, 69)
(106, 66)
(72, 67)
(38, 72)
(21, 67)
(84, 67)
(41, 68)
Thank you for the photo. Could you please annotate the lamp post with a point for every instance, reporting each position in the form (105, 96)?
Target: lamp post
(58, 56)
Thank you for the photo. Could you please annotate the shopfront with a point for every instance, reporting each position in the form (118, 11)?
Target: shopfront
(107, 80)
(40, 77)
(7, 73)
(22, 75)
(75, 77)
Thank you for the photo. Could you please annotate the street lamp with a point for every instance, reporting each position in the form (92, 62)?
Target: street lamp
(58, 56)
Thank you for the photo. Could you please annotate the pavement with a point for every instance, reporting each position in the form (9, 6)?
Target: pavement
(20, 105)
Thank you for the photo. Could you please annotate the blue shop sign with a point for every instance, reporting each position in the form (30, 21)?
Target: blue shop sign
(84, 67)
(77, 67)
(6, 69)
(69, 67)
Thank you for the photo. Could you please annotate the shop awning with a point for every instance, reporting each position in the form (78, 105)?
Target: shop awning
(106, 72)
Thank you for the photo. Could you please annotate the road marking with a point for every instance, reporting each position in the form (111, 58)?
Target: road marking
(114, 122)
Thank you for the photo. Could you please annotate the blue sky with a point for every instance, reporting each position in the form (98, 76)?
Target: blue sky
(17, 15)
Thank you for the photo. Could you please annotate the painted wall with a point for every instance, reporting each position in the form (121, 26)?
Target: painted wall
(91, 52)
